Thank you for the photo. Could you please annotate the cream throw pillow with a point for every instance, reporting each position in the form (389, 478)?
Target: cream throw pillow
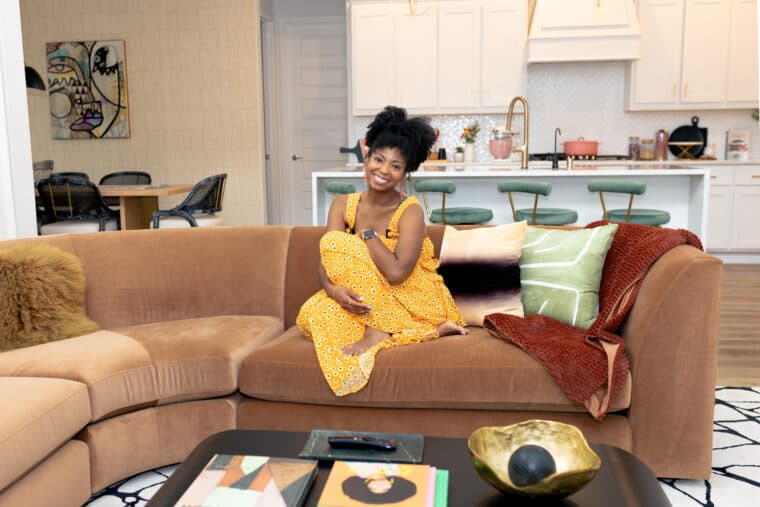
(481, 268)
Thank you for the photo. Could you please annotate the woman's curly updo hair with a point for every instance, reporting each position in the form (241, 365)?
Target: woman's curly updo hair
(392, 129)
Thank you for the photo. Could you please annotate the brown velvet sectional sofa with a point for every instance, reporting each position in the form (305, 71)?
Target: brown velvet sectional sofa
(197, 336)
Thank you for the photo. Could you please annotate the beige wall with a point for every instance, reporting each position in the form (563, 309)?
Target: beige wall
(195, 99)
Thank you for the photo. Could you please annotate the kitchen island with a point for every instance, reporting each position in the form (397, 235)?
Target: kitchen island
(682, 189)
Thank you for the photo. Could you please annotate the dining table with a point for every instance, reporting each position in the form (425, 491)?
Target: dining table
(138, 202)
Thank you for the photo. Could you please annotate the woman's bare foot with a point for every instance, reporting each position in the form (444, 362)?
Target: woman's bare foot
(371, 338)
(449, 327)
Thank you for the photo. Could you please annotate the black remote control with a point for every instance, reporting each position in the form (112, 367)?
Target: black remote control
(361, 442)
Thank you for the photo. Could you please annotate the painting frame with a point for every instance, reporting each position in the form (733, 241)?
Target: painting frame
(88, 90)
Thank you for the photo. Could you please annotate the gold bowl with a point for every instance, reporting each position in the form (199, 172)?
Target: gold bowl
(573, 465)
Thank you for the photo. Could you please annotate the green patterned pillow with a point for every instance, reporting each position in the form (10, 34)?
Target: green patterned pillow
(560, 272)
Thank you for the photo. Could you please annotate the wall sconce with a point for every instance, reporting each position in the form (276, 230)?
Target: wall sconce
(33, 79)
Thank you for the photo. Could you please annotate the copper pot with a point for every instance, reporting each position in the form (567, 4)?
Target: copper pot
(581, 147)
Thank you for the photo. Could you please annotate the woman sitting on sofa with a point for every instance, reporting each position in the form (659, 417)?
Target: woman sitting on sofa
(378, 273)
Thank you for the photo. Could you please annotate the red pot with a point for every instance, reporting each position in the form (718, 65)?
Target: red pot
(581, 147)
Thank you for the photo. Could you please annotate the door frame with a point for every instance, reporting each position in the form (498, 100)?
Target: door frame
(272, 130)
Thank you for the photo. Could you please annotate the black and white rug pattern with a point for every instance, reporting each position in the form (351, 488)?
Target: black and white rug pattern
(735, 480)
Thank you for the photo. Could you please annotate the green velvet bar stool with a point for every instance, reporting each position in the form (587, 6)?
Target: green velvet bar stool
(630, 214)
(450, 216)
(340, 187)
(536, 215)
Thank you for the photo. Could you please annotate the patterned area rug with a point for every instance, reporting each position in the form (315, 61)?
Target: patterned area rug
(735, 479)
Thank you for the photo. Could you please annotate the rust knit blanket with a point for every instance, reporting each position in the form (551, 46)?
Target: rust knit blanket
(591, 365)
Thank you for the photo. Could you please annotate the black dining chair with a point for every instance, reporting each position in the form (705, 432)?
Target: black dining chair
(198, 209)
(124, 178)
(74, 205)
(72, 174)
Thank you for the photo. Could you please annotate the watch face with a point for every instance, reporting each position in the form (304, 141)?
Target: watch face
(368, 234)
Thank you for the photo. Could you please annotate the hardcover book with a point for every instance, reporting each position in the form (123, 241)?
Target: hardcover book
(737, 144)
(362, 483)
(235, 480)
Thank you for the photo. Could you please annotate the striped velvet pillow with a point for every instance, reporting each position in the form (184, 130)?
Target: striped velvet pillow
(481, 268)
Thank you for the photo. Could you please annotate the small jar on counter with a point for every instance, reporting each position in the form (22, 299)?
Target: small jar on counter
(634, 148)
(661, 145)
(647, 149)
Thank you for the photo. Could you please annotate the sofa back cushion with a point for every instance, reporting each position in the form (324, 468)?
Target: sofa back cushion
(135, 277)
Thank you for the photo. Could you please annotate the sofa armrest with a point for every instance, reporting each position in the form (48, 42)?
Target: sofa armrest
(671, 337)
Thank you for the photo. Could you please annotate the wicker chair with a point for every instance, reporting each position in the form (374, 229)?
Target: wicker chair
(198, 209)
(74, 205)
(72, 174)
(124, 178)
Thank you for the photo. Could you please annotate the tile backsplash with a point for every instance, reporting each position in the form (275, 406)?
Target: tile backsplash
(584, 99)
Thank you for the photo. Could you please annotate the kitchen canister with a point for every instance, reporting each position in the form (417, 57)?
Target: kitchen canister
(661, 145)
(646, 151)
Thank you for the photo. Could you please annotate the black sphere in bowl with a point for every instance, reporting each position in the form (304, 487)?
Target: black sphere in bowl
(529, 464)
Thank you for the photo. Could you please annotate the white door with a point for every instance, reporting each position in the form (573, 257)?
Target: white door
(314, 107)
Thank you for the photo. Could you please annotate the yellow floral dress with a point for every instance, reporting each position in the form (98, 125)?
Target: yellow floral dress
(409, 311)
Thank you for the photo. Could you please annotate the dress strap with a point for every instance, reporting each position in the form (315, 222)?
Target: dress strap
(393, 225)
(352, 203)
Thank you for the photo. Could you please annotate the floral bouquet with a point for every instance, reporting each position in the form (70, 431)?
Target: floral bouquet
(471, 133)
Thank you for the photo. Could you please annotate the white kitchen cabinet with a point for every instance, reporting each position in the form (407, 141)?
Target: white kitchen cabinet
(656, 76)
(373, 63)
(720, 209)
(415, 55)
(459, 55)
(733, 210)
(742, 55)
(695, 53)
(505, 31)
(442, 56)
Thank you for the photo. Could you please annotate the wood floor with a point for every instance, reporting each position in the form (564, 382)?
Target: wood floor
(739, 339)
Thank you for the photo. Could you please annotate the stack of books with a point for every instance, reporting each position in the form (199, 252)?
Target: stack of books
(358, 483)
(235, 480)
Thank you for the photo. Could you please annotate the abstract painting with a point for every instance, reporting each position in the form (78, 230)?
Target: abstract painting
(87, 83)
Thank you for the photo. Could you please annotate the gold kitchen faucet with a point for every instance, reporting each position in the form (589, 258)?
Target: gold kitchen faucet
(523, 149)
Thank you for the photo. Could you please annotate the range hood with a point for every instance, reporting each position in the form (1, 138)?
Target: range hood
(583, 30)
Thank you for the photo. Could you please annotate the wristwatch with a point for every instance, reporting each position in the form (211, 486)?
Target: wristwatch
(369, 234)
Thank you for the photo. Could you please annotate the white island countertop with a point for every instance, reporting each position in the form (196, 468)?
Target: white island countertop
(681, 188)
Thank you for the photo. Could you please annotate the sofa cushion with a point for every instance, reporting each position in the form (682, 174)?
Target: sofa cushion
(200, 358)
(149, 364)
(475, 371)
(62, 480)
(39, 416)
(116, 369)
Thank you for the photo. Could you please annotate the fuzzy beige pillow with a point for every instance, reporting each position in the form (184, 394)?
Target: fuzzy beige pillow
(41, 296)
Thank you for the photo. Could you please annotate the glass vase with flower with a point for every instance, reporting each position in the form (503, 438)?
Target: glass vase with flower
(469, 135)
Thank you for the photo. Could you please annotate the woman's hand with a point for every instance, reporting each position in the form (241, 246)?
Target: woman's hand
(348, 299)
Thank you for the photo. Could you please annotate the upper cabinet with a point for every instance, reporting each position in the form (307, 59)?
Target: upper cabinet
(695, 53)
(437, 56)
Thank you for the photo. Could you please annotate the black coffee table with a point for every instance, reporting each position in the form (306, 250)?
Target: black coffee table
(623, 480)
